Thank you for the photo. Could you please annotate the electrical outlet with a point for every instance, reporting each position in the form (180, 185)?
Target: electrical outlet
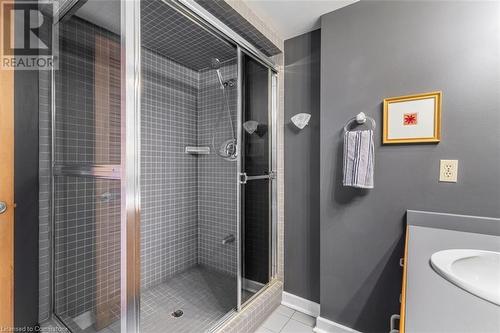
(448, 170)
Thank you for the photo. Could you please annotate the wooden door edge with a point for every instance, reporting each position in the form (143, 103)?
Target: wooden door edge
(7, 194)
(403, 285)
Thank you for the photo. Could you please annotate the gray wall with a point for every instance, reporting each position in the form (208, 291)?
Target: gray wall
(302, 94)
(372, 50)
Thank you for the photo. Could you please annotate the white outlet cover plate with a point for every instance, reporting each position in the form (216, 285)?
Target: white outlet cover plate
(448, 171)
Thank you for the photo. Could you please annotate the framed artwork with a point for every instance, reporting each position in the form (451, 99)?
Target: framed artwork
(412, 118)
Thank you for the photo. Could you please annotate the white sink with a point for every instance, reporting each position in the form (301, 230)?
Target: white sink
(476, 271)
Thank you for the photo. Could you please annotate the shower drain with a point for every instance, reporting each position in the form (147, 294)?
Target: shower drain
(177, 313)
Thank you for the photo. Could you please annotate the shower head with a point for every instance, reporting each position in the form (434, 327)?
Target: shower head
(214, 63)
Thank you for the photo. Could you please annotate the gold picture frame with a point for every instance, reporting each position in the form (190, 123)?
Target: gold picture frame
(412, 118)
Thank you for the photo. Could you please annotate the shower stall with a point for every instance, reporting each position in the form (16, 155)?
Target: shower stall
(163, 159)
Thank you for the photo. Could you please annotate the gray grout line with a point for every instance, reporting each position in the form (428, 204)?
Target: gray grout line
(286, 323)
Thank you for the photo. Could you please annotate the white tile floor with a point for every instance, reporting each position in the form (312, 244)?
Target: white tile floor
(286, 320)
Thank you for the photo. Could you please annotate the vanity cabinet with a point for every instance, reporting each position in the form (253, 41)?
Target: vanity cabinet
(431, 303)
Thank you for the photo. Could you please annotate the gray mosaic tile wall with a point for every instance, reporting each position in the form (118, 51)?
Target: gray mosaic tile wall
(77, 125)
(216, 176)
(87, 211)
(77, 208)
(73, 133)
(44, 242)
(169, 189)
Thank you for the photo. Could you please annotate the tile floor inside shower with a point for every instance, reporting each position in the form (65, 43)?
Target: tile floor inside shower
(202, 294)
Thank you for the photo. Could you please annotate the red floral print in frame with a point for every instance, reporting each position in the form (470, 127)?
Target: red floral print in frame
(410, 119)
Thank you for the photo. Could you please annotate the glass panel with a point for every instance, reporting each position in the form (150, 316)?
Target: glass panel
(255, 197)
(87, 253)
(256, 128)
(87, 131)
(188, 200)
(87, 128)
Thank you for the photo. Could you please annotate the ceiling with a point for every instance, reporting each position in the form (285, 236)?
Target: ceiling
(103, 13)
(291, 18)
(223, 11)
(171, 34)
(164, 31)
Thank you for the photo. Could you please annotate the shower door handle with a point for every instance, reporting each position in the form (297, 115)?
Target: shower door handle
(244, 178)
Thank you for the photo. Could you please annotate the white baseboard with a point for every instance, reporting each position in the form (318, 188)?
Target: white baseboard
(300, 304)
(327, 326)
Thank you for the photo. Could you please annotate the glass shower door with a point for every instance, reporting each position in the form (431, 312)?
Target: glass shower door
(256, 177)
(93, 159)
(86, 163)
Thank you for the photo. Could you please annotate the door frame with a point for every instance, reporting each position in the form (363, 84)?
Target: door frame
(130, 13)
(273, 184)
(127, 172)
(7, 193)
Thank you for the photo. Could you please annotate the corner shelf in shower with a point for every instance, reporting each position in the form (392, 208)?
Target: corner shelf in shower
(197, 150)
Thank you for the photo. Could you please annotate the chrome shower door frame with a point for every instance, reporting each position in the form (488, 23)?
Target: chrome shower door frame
(128, 172)
(273, 93)
(239, 121)
(274, 165)
(130, 161)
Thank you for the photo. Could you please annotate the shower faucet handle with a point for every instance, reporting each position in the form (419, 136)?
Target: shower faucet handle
(107, 196)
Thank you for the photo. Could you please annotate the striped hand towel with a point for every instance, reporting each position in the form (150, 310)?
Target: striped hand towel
(358, 159)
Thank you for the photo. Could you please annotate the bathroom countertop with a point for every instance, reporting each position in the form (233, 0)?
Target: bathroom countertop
(465, 223)
(433, 304)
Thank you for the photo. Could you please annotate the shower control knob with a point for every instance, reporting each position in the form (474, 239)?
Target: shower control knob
(228, 239)
(3, 207)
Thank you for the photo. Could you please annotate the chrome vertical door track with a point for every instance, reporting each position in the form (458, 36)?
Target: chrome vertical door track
(52, 184)
(274, 165)
(238, 168)
(271, 171)
(130, 162)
